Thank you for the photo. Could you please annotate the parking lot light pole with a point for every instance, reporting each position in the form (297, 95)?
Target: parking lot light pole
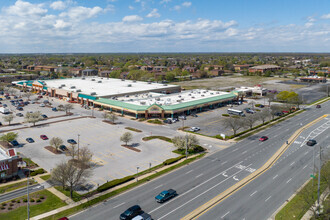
(78, 145)
(186, 146)
(137, 172)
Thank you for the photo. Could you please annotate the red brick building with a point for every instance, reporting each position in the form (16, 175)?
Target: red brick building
(9, 161)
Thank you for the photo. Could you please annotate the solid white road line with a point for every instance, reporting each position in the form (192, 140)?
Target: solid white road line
(268, 198)
(158, 186)
(305, 166)
(292, 163)
(306, 153)
(235, 150)
(179, 207)
(225, 215)
(224, 162)
(189, 171)
(289, 180)
(244, 152)
(199, 175)
(275, 176)
(119, 205)
(253, 193)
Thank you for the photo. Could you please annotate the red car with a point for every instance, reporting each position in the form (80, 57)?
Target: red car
(43, 137)
(263, 138)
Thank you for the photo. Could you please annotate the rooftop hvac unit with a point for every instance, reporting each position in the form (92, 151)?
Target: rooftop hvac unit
(99, 81)
(211, 93)
(83, 78)
(149, 82)
(217, 93)
(63, 85)
(192, 97)
(72, 87)
(122, 79)
(164, 84)
(93, 79)
(129, 85)
(142, 103)
(157, 99)
(134, 81)
(203, 95)
(93, 93)
(189, 94)
(78, 90)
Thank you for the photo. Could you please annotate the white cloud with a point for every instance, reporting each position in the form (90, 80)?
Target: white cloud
(327, 16)
(111, 0)
(82, 13)
(130, 7)
(165, 1)
(61, 24)
(58, 5)
(132, 18)
(177, 7)
(153, 14)
(186, 4)
(22, 8)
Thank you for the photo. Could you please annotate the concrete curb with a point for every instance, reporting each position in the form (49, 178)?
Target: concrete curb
(231, 190)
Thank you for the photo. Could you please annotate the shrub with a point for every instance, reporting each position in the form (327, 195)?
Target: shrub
(142, 119)
(24, 200)
(32, 200)
(10, 208)
(13, 201)
(18, 201)
(42, 197)
(11, 204)
(173, 160)
(38, 200)
(114, 183)
(3, 208)
(257, 105)
(155, 121)
(225, 115)
(235, 116)
(36, 172)
(198, 149)
(4, 204)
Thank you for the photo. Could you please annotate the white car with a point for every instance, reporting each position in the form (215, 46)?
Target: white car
(194, 129)
(42, 105)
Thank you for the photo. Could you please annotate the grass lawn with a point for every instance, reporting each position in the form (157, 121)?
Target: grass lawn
(29, 162)
(14, 186)
(76, 196)
(51, 202)
(46, 177)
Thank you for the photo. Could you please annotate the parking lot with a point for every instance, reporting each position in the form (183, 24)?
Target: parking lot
(110, 160)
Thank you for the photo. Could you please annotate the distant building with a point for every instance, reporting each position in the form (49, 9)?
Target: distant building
(313, 79)
(105, 73)
(89, 72)
(146, 68)
(190, 69)
(213, 67)
(239, 68)
(159, 68)
(9, 161)
(76, 72)
(215, 72)
(263, 68)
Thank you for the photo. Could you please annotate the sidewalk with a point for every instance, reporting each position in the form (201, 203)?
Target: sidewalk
(74, 204)
(309, 214)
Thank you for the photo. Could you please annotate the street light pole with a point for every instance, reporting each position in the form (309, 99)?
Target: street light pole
(318, 185)
(137, 172)
(78, 145)
(28, 204)
(186, 146)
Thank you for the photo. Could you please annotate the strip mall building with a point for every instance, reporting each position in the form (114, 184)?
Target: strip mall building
(133, 98)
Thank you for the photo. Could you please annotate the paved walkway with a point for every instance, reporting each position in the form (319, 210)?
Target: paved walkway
(71, 205)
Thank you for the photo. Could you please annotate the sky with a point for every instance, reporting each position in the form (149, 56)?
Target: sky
(137, 26)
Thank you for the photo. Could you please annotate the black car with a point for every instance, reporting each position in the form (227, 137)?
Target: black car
(63, 148)
(71, 141)
(44, 116)
(30, 140)
(311, 142)
(19, 115)
(14, 143)
(131, 212)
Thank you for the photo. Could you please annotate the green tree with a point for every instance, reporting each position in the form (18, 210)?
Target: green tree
(33, 117)
(8, 118)
(56, 142)
(10, 136)
(126, 137)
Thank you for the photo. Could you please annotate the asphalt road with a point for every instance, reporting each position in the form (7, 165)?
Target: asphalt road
(20, 192)
(199, 182)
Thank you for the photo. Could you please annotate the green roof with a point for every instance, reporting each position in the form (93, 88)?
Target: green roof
(165, 107)
(122, 104)
(87, 96)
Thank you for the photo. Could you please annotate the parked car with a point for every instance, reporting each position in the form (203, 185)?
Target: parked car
(182, 117)
(54, 109)
(15, 97)
(43, 137)
(42, 105)
(19, 115)
(4, 105)
(131, 212)
(168, 121)
(26, 103)
(263, 138)
(250, 111)
(19, 108)
(30, 140)
(311, 142)
(46, 101)
(194, 129)
(0, 124)
(40, 97)
(165, 195)
(63, 148)
(194, 115)
(279, 113)
(44, 116)
(14, 143)
(71, 141)
(318, 106)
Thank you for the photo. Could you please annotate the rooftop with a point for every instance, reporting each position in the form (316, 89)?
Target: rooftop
(265, 67)
(103, 87)
(3, 155)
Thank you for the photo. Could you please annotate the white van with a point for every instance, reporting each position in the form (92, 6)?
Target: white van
(143, 216)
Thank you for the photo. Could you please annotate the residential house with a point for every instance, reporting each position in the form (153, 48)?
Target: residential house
(263, 68)
(89, 72)
(239, 68)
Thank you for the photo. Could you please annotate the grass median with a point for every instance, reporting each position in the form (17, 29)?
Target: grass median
(120, 190)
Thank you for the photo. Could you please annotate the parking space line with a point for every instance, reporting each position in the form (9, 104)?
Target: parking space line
(111, 176)
(128, 171)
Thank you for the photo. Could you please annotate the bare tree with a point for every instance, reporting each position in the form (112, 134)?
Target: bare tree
(296, 100)
(58, 174)
(126, 137)
(56, 142)
(105, 115)
(252, 104)
(85, 156)
(249, 121)
(73, 151)
(68, 108)
(263, 115)
(33, 117)
(274, 109)
(270, 97)
(28, 95)
(233, 123)
(112, 117)
(60, 107)
(181, 142)
(8, 118)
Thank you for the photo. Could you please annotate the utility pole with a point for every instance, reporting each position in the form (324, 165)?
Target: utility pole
(186, 146)
(137, 173)
(318, 185)
(28, 199)
(78, 145)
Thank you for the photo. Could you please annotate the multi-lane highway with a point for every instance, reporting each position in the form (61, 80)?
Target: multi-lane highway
(201, 181)
(20, 192)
